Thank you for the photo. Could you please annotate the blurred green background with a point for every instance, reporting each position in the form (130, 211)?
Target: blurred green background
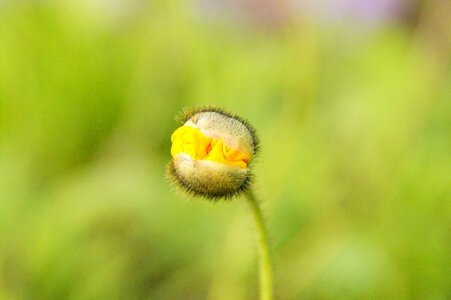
(351, 100)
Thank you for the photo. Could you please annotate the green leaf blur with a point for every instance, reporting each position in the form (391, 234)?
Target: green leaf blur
(354, 170)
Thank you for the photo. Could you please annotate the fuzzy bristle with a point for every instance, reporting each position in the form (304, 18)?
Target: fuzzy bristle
(188, 112)
(189, 189)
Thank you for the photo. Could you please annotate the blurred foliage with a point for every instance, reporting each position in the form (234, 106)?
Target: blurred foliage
(354, 169)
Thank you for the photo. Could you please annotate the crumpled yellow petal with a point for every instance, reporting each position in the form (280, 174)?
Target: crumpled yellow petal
(192, 141)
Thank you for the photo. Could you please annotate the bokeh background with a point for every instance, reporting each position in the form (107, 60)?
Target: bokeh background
(352, 102)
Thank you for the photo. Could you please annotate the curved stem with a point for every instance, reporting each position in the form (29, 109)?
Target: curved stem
(266, 291)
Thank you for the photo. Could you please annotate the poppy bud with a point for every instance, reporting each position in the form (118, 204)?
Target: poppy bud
(211, 153)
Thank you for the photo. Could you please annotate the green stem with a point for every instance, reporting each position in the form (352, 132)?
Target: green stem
(266, 292)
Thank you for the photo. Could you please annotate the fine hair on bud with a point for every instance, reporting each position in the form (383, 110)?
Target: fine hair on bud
(212, 152)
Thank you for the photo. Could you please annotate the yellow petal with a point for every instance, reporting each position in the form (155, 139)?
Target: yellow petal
(193, 142)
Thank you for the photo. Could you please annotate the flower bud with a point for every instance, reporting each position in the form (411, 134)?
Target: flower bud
(211, 153)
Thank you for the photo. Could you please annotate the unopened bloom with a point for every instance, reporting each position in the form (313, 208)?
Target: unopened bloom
(211, 153)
